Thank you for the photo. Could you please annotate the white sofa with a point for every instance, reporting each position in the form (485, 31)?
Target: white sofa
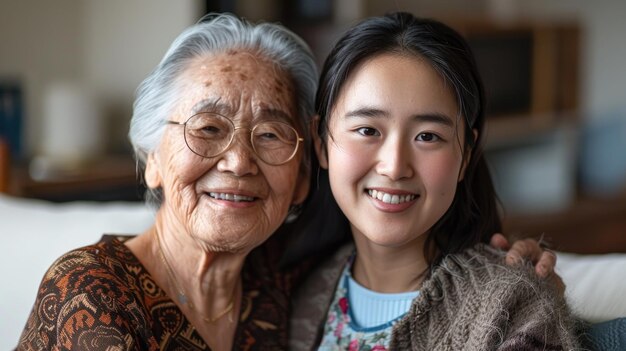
(34, 233)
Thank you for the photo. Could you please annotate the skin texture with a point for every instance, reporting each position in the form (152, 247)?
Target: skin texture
(206, 240)
(223, 84)
(395, 128)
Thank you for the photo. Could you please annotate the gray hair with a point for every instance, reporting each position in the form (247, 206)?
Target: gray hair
(215, 33)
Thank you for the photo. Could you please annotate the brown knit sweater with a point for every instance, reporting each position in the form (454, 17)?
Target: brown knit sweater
(472, 301)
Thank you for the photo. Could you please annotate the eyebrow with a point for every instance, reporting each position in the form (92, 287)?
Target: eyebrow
(216, 106)
(434, 117)
(212, 105)
(278, 114)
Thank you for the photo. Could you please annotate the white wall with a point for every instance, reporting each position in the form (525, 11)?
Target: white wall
(40, 42)
(107, 46)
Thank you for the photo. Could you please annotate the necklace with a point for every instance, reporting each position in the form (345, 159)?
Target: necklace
(182, 296)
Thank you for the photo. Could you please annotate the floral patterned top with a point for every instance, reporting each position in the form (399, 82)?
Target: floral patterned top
(342, 333)
(100, 297)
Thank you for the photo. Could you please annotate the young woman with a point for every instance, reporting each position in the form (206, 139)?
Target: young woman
(401, 115)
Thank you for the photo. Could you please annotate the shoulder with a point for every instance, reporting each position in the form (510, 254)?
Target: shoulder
(313, 297)
(108, 260)
(508, 305)
(482, 264)
(479, 277)
(86, 294)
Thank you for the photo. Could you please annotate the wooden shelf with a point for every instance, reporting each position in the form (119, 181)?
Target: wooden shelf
(110, 178)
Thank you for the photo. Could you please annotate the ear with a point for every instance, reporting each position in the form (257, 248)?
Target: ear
(467, 157)
(320, 148)
(152, 174)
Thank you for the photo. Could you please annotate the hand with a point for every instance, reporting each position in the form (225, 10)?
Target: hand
(544, 260)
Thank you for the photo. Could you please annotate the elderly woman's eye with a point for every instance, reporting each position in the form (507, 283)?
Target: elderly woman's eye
(274, 132)
(269, 136)
(211, 129)
(208, 131)
(368, 131)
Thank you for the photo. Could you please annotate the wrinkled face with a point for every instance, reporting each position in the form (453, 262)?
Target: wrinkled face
(234, 201)
(394, 151)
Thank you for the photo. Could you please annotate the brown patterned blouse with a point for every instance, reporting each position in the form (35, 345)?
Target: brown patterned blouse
(101, 297)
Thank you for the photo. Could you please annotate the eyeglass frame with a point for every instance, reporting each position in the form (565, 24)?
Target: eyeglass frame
(299, 139)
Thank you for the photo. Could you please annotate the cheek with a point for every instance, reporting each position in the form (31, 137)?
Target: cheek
(282, 181)
(181, 170)
(441, 174)
(347, 165)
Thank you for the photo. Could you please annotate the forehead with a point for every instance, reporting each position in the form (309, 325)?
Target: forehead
(384, 76)
(397, 85)
(237, 80)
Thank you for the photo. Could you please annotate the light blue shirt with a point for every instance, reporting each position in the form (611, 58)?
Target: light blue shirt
(370, 308)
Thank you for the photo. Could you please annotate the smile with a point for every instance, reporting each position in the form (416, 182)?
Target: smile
(231, 197)
(390, 198)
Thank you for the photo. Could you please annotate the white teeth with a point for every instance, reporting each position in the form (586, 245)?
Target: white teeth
(389, 198)
(230, 197)
(395, 199)
(386, 198)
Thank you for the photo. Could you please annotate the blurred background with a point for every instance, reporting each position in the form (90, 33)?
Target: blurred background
(554, 73)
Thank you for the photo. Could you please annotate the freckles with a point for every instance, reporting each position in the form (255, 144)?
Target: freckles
(208, 83)
(283, 93)
(226, 69)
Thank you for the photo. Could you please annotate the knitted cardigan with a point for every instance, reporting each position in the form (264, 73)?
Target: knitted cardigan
(471, 301)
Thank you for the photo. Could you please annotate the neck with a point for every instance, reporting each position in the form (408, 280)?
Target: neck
(200, 281)
(205, 281)
(389, 269)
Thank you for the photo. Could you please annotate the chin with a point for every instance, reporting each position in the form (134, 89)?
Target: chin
(393, 237)
(244, 243)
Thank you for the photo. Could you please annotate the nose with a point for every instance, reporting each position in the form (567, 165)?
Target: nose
(394, 159)
(239, 158)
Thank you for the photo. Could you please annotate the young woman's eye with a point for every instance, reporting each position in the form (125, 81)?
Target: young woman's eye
(367, 131)
(428, 137)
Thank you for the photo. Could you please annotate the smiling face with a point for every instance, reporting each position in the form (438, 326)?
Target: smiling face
(232, 202)
(394, 154)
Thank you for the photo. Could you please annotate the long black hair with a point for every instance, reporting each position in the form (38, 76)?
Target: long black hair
(473, 215)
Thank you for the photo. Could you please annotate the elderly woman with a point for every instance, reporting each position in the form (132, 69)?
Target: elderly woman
(218, 128)
(219, 131)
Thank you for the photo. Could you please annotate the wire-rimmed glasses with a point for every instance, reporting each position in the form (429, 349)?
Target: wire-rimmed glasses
(209, 134)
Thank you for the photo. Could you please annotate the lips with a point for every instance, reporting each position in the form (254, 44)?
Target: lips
(231, 197)
(388, 198)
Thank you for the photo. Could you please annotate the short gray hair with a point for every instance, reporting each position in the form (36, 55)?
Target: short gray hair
(216, 33)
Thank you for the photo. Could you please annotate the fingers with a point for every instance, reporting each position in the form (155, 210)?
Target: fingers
(558, 282)
(499, 241)
(545, 269)
(545, 266)
(543, 259)
(528, 249)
